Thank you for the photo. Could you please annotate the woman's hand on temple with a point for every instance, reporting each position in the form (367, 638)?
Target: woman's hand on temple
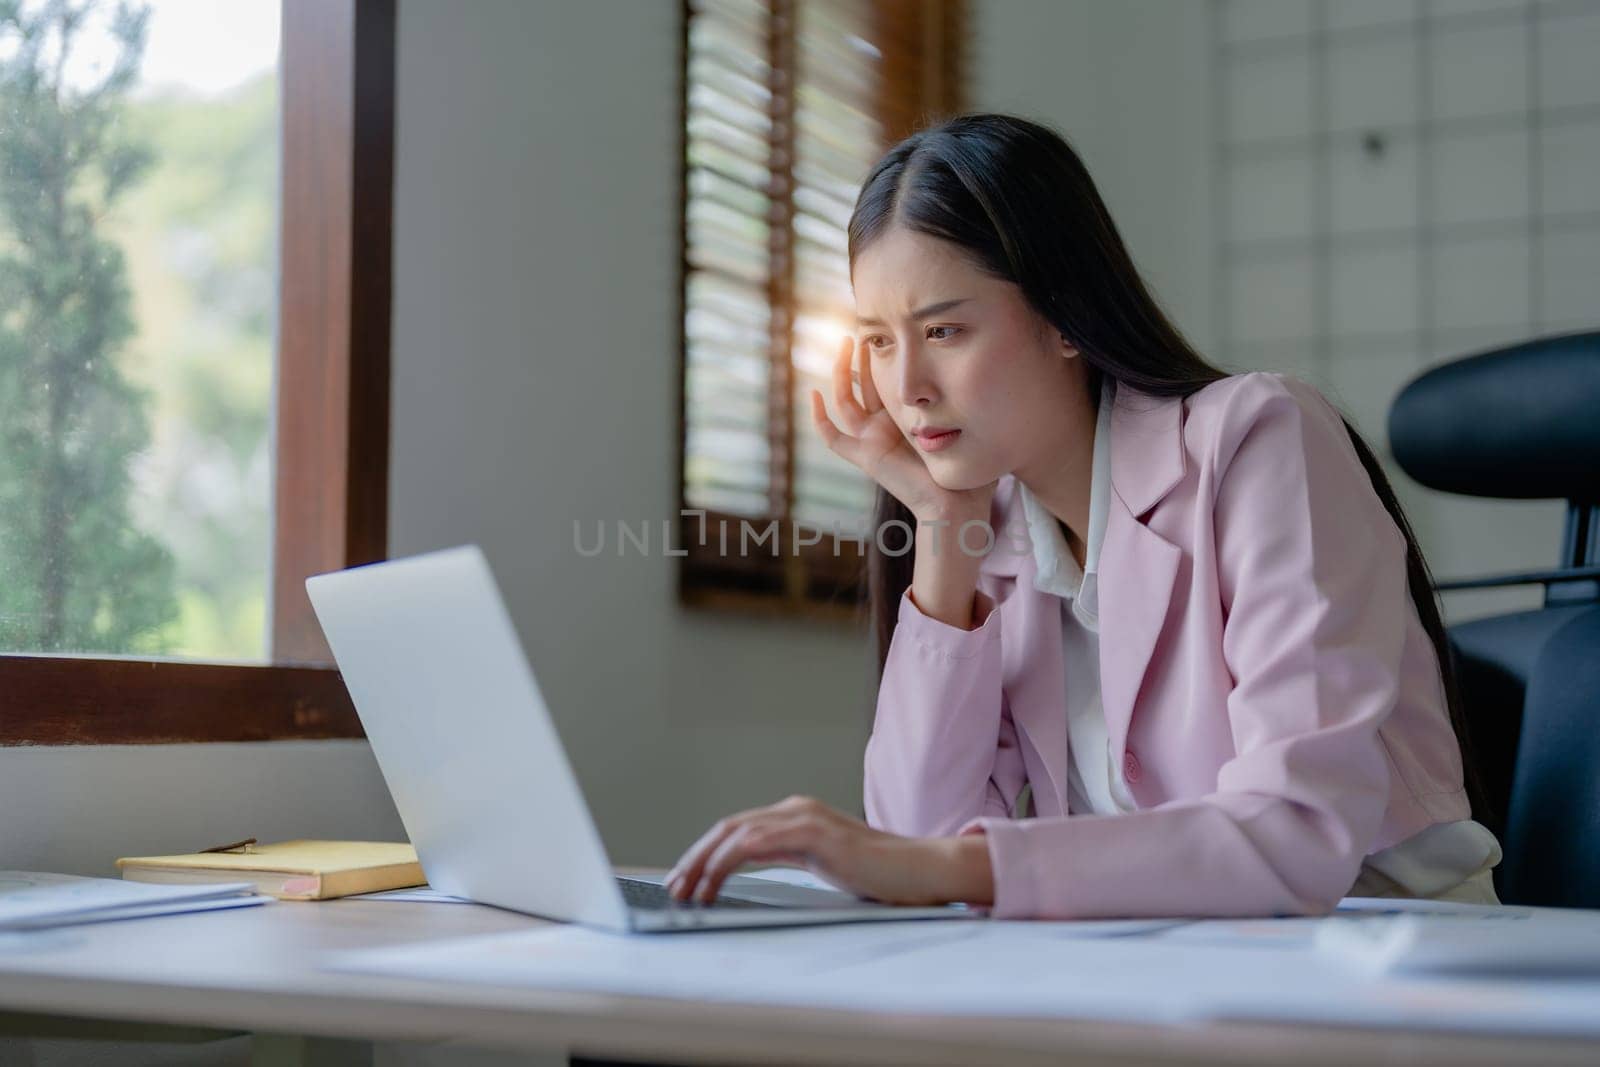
(844, 850)
(867, 437)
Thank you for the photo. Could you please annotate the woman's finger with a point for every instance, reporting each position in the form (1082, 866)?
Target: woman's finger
(869, 389)
(844, 398)
(773, 837)
(681, 880)
(841, 444)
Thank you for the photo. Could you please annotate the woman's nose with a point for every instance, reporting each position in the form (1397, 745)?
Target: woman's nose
(915, 380)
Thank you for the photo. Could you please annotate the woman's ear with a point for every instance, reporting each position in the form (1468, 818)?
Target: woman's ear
(1068, 349)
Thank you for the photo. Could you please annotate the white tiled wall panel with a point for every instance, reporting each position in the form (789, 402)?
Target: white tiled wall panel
(1374, 290)
(1479, 70)
(1260, 20)
(1372, 84)
(1478, 536)
(1569, 58)
(1297, 359)
(1465, 537)
(1570, 179)
(1271, 196)
(1570, 279)
(1357, 14)
(1479, 177)
(1373, 192)
(1269, 96)
(1362, 382)
(1271, 300)
(1482, 281)
(1293, 357)
(1431, 190)
(1448, 345)
(1447, 10)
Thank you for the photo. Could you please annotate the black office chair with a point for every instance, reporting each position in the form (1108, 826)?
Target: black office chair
(1553, 835)
(1523, 422)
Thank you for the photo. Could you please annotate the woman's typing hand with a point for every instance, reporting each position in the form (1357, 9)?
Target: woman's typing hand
(870, 863)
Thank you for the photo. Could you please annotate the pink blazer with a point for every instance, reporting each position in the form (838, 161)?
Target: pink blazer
(1268, 687)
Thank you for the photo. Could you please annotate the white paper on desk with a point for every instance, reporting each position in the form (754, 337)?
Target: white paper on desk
(776, 965)
(1417, 906)
(148, 911)
(1459, 980)
(33, 899)
(1485, 941)
(1081, 928)
(1005, 968)
(417, 895)
(961, 968)
(1304, 932)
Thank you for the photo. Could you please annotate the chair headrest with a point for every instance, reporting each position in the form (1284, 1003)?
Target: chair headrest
(1521, 422)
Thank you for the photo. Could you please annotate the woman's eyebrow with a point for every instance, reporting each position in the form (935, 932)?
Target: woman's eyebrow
(920, 313)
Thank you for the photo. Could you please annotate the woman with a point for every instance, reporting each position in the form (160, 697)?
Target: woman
(1198, 671)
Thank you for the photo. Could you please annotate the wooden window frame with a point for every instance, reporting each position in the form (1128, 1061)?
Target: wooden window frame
(826, 580)
(332, 428)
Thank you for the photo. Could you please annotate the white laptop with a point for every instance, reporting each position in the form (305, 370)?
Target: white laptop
(470, 754)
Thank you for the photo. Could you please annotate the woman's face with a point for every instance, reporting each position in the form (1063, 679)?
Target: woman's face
(950, 347)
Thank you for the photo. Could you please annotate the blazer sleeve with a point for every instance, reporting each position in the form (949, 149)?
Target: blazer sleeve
(1312, 577)
(943, 749)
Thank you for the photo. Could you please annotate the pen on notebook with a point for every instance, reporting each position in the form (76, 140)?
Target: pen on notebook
(247, 845)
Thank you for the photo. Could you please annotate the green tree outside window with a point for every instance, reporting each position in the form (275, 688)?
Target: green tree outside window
(138, 521)
(76, 575)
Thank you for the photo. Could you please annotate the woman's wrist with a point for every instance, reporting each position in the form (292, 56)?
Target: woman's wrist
(952, 515)
(970, 876)
(944, 577)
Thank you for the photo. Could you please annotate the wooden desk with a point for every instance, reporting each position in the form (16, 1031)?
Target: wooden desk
(255, 969)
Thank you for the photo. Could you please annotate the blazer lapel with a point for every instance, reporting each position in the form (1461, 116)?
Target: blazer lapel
(1032, 657)
(1138, 567)
(1137, 570)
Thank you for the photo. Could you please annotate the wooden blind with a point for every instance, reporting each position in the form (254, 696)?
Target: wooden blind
(787, 103)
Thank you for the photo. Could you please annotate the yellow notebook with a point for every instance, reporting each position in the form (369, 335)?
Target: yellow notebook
(290, 870)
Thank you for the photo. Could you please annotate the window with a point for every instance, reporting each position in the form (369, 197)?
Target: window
(139, 232)
(787, 103)
(193, 363)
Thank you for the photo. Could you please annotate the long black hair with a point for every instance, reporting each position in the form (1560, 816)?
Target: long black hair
(1015, 198)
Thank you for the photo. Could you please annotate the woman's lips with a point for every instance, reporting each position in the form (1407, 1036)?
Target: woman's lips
(936, 441)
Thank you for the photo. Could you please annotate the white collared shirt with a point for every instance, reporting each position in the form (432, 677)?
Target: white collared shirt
(1094, 778)
(1450, 861)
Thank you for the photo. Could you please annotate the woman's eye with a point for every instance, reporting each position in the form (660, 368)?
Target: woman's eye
(878, 341)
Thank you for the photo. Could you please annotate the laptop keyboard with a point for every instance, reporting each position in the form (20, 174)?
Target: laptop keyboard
(643, 894)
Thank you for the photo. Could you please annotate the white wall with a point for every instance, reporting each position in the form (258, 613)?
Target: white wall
(1473, 227)
(1135, 86)
(534, 372)
(1128, 84)
(77, 809)
(534, 363)
(534, 360)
